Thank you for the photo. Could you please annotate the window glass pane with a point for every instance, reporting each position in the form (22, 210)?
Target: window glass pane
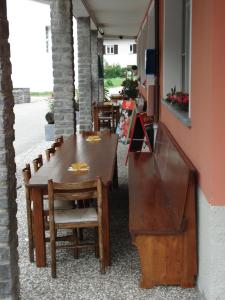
(186, 45)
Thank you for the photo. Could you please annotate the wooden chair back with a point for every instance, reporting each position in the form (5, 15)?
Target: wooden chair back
(59, 139)
(56, 145)
(49, 152)
(26, 172)
(78, 191)
(37, 163)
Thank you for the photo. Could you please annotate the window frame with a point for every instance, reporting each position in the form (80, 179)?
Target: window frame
(111, 48)
(183, 64)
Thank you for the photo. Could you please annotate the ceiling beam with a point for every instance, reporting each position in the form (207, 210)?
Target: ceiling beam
(121, 37)
(90, 12)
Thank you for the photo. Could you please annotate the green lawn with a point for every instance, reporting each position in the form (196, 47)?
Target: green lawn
(40, 93)
(113, 82)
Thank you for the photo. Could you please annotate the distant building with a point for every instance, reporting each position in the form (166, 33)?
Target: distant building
(30, 43)
(120, 51)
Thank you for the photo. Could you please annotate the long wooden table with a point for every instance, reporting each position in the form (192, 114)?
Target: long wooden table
(101, 158)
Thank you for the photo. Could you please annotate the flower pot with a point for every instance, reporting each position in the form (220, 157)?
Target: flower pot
(49, 132)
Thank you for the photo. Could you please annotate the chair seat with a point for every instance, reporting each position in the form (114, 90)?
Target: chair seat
(76, 215)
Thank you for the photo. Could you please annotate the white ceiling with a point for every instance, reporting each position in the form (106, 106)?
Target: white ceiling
(116, 17)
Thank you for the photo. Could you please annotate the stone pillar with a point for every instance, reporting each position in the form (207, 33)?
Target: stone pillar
(94, 65)
(9, 280)
(101, 80)
(63, 66)
(84, 72)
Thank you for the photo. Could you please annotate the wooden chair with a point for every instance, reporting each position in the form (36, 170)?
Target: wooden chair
(75, 218)
(106, 118)
(37, 163)
(26, 172)
(49, 152)
(56, 145)
(59, 139)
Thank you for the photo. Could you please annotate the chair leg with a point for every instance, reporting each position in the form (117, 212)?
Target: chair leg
(97, 243)
(80, 234)
(30, 232)
(53, 252)
(101, 253)
(76, 250)
(31, 245)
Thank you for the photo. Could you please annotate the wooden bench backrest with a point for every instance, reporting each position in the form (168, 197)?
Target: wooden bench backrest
(175, 171)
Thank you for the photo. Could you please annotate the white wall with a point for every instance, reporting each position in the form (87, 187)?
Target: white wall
(31, 64)
(211, 249)
(124, 57)
(172, 45)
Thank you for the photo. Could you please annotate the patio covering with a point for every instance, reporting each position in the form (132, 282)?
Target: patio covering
(115, 18)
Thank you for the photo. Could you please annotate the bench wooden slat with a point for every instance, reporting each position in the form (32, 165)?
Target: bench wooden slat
(162, 213)
(150, 213)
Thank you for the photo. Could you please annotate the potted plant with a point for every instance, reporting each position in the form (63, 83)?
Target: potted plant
(130, 88)
(50, 127)
(179, 99)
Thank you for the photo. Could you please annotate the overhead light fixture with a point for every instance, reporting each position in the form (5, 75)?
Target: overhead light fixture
(101, 30)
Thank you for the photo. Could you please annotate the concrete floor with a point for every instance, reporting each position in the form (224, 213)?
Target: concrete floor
(29, 124)
(80, 279)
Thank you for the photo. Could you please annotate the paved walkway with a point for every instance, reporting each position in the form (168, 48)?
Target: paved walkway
(80, 279)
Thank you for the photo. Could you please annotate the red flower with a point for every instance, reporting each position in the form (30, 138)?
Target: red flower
(179, 99)
(185, 99)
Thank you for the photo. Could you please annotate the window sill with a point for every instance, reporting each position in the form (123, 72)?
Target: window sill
(179, 114)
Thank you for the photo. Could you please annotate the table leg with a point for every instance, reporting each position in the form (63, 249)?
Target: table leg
(38, 228)
(105, 216)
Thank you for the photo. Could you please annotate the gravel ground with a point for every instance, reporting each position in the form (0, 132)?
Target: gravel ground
(80, 278)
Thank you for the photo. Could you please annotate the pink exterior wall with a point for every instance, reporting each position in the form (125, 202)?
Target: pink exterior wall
(204, 142)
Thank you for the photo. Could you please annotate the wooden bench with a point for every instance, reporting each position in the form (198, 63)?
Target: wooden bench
(162, 219)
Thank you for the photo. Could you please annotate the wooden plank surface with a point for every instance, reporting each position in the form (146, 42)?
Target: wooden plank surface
(100, 156)
(149, 212)
(162, 211)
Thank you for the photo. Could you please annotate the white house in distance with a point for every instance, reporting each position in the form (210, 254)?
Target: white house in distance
(120, 52)
(30, 43)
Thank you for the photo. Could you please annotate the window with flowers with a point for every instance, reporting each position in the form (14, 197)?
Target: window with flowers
(177, 55)
(180, 100)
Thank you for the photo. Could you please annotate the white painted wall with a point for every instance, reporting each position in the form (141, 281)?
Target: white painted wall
(211, 249)
(31, 64)
(124, 57)
(172, 45)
